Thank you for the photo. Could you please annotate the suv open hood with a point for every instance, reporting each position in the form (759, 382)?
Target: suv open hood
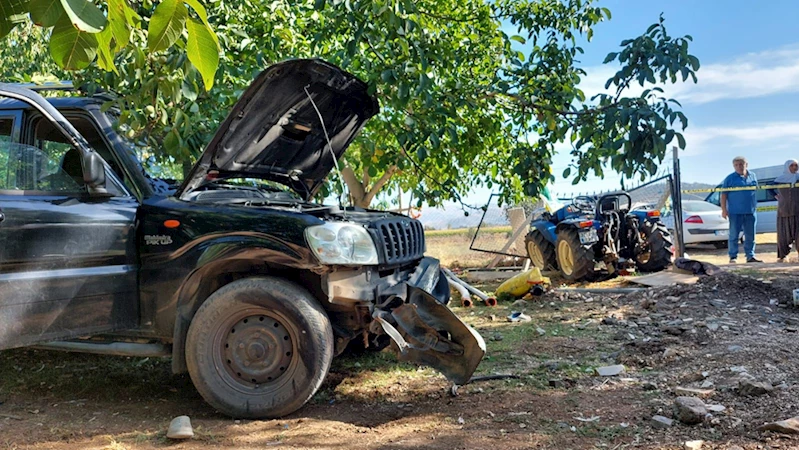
(274, 131)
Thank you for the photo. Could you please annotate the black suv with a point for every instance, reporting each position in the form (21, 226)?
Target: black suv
(236, 274)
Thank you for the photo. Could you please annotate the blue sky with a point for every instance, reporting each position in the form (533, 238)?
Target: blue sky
(746, 101)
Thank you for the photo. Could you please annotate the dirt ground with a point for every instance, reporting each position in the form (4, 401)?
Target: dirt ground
(724, 334)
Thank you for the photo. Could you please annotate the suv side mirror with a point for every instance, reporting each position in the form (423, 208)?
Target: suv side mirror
(94, 173)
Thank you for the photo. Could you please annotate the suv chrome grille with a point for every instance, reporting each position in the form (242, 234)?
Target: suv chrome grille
(402, 239)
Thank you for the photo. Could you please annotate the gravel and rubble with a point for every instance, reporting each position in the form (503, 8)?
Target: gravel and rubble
(727, 342)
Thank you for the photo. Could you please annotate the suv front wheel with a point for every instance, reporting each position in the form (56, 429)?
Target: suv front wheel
(259, 348)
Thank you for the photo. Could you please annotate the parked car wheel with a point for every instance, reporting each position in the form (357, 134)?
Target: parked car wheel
(540, 251)
(657, 251)
(259, 348)
(575, 261)
(721, 244)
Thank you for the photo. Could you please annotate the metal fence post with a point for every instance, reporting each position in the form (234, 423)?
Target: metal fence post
(677, 206)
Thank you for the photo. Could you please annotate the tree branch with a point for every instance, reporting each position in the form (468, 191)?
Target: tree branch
(379, 184)
(356, 188)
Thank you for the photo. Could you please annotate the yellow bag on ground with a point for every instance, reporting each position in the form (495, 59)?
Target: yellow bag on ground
(520, 284)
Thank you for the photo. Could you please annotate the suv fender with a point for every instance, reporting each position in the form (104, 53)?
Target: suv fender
(221, 263)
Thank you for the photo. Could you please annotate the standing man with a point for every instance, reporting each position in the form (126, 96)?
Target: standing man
(740, 206)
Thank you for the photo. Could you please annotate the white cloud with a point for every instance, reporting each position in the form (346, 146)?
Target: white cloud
(758, 136)
(752, 75)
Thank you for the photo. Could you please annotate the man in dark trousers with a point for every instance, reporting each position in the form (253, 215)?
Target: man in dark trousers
(740, 207)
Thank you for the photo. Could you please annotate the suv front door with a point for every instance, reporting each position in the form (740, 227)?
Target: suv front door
(67, 249)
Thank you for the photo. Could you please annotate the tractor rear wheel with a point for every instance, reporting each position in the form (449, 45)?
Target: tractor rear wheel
(657, 251)
(574, 259)
(540, 251)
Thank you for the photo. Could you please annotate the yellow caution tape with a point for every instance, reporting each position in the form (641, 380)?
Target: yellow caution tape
(744, 188)
(766, 208)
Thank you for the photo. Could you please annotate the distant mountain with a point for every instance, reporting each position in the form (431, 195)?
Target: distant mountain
(698, 195)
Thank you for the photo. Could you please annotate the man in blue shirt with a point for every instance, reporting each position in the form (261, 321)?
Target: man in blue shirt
(740, 206)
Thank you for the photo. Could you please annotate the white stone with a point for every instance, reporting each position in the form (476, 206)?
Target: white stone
(180, 428)
(609, 371)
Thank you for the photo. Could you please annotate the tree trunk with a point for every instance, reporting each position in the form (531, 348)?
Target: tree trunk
(361, 193)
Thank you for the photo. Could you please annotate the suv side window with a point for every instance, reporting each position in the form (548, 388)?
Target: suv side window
(50, 140)
(56, 167)
(6, 126)
(26, 168)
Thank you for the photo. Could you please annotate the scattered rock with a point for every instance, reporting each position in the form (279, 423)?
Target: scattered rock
(689, 410)
(718, 303)
(686, 391)
(496, 337)
(180, 428)
(787, 426)
(540, 331)
(670, 352)
(609, 371)
(752, 388)
(649, 386)
(610, 321)
(661, 422)
(716, 408)
(519, 303)
(693, 445)
(734, 348)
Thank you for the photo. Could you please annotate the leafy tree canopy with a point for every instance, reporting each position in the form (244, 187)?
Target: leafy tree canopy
(462, 106)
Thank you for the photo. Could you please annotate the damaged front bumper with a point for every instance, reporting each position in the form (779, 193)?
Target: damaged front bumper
(410, 307)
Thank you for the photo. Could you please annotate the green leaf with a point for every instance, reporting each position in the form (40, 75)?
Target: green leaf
(694, 62)
(372, 171)
(85, 15)
(105, 55)
(119, 21)
(518, 39)
(5, 27)
(611, 56)
(189, 89)
(166, 25)
(172, 142)
(566, 172)
(680, 140)
(46, 13)
(669, 136)
(201, 12)
(71, 48)
(387, 76)
(203, 51)
(9, 8)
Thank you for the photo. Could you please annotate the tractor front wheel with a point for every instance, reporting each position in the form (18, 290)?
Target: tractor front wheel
(540, 251)
(575, 260)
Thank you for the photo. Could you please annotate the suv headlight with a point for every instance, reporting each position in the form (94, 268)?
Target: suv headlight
(342, 243)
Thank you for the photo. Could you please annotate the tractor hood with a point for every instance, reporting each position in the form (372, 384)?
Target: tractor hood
(274, 131)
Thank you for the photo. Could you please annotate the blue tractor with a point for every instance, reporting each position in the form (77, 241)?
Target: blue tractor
(593, 235)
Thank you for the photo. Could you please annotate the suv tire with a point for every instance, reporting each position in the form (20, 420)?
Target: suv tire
(259, 348)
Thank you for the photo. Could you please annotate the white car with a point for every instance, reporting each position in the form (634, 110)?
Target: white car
(702, 223)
